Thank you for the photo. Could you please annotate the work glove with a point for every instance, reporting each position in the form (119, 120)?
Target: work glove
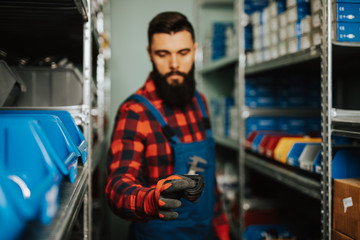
(168, 193)
(162, 201)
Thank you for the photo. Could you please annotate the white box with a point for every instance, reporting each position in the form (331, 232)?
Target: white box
(274, 24)
(291, 30)
(290, 3)
(257, 43)
(250, 58)
(315, 6)
(273, 9)
(274, 52)
(305, 41)
(258, 56)
(293, 45)
(283, 21)
(306, 25)
(267, 28)
(292, 15)
(257, 30)
(316, 20)
(275, 38)
(267, 54)
(283, 33)
(255, 18)
(316, 36)
(283, 49)
(265, 15)
(267, 40)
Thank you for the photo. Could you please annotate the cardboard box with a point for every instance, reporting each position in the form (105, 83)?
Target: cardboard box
(346, 207)
(274, 52)
(293, 45)
(293, 30)
(339, 236)
(255, 18)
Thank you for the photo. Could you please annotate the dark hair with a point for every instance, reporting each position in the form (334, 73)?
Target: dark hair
(169, 22)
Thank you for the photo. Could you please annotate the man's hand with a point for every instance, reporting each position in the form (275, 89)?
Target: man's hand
(168, 192)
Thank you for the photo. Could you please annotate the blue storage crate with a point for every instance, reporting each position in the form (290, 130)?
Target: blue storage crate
(11, 223)
(67, 154)
(69, 123)
(292, 125)
(346, 164)
(32, 178)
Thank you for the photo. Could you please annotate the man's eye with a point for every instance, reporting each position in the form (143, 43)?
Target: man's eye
(183, 53)
(161, 54)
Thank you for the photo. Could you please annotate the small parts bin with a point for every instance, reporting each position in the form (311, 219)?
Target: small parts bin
(28, 176)
(346, 164)
(73, 130)
(285, 144)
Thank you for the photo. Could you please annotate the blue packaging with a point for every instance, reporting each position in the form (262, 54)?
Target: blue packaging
(347, 32)
(348, 12)
(291, 125)
(257, 232)
(259, 123)
(261, 101)
(289, 102)
(348, 1)
(258, 90)
(252, 6)
(314, 124)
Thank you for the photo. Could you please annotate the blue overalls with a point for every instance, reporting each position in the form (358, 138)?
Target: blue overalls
(195, 219)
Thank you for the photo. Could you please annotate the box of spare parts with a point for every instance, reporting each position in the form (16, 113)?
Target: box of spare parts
(346, 217)
(339, 236)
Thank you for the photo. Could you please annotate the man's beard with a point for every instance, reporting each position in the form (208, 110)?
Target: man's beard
(176, 95)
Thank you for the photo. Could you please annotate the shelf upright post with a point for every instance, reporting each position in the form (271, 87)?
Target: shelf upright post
(199, 54)
(87, 73)
(240, 84)
(100, 77)
(326, 95)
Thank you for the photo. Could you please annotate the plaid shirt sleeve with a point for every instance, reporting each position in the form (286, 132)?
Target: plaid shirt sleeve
(124, 190)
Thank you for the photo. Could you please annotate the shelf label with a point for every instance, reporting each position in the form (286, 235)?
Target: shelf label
(347, 203)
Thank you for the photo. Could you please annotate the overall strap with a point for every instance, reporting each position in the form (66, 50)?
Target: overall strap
(164, 126)
(205, 117)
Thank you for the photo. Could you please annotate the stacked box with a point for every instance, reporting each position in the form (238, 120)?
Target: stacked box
(346, 21)
(220, 115)
(291, 92)
(221, 31)
(259, 92)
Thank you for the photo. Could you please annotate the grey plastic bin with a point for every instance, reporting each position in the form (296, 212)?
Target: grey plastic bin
(50, 87)
(308, 156)
(11, 85)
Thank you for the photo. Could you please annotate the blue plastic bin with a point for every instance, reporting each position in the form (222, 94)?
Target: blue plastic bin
(11, 224)
(69, 123)
(346, 164)
(31, 177)
(294, 154)
(67, 154)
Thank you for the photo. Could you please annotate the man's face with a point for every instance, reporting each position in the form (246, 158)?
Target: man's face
(171, 53)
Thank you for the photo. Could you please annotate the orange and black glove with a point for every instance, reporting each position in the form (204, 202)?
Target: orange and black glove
(166, 196)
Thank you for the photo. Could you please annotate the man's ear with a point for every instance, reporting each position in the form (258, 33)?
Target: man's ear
(148, 51)
(195, 50)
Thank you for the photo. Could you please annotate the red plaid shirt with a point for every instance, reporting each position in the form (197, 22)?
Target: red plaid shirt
(140, 154)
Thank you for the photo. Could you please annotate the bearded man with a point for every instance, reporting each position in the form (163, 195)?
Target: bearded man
(162, 146)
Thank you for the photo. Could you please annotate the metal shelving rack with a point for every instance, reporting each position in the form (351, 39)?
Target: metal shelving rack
(71, 21)
(334, 121)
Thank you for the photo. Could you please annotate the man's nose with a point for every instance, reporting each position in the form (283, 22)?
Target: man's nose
(174, 62)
